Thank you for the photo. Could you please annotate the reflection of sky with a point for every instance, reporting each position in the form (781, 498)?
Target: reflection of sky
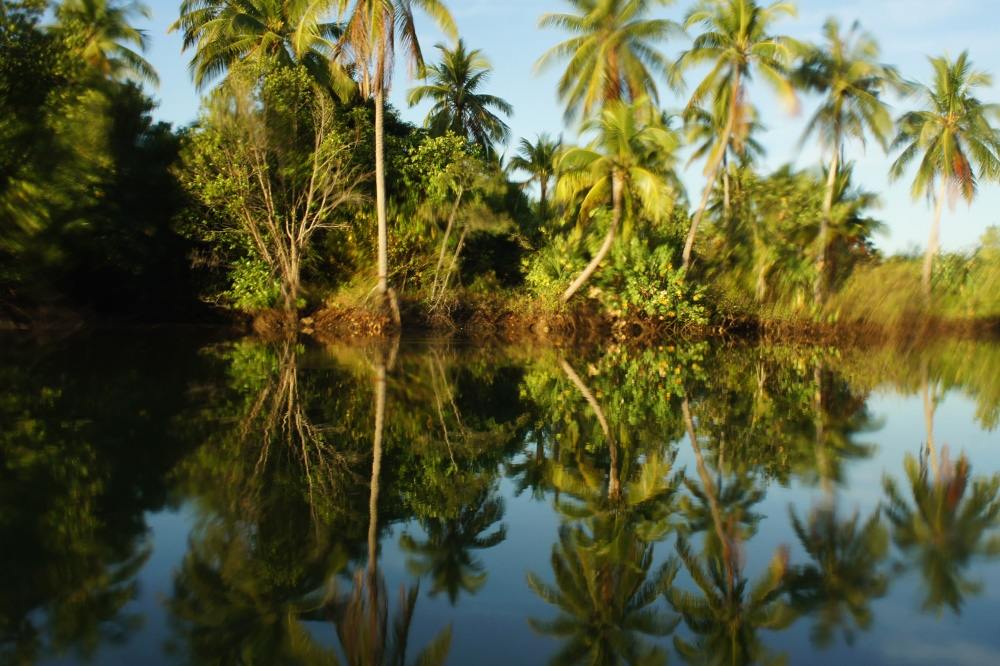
(491, 627)
(506, 31)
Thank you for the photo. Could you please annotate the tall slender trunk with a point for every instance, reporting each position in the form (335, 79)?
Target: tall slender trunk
(543, 198)
(383, 229)
(712, 173)
(822, 241)
(933, 243)
(726, 198)
(444, 243)
(617, 187)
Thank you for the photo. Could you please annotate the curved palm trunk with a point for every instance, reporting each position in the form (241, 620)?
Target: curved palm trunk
(932, 244)
(713, 174)
(713, 500)
(614, 476)
(819, 286)
(617, 187)
(822, 455)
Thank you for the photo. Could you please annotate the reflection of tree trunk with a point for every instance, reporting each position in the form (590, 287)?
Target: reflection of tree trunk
(927, 393)
(713, 500)
(380, 391)
(822, 457)
(614, 480)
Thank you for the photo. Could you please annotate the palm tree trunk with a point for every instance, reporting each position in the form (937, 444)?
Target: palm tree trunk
(617, 186)
(383, 230)
(726, 198)
(819, 286)
(932, 244)
(444, 243)
(713, 174)
(543, 198)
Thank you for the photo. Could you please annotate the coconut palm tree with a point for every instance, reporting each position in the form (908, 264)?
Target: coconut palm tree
(371, 30)
(627, 165)
(459, 107)
(954, 140)
(538, 160)
(846, 71)
(735, 43)
(105, 34)
(224, 33)
(613, 54)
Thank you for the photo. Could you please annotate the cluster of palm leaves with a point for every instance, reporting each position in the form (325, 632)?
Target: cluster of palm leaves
(613, 58)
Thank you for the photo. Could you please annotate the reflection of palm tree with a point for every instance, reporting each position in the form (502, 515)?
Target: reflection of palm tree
(361, 618)
(362, 625)
(533, 472)
(728, 613)
(845, 574)
(605, 593)
(945, 526)
(446, 552)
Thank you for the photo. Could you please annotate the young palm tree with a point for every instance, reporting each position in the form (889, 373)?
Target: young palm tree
(953, 137)
(538, 160)
(736, 42)
(613, 54)
(459, 107)
(224, 33)
(627, 165)
(369, 45)
(104, 29)
(846, 72)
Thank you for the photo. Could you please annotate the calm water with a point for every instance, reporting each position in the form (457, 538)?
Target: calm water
(166, 499)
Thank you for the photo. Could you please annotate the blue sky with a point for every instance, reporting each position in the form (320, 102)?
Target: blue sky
(506, 31)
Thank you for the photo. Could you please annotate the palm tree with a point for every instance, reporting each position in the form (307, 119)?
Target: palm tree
(736, 43)
(846, 72)
(446, 552)
(628, 162)
(224, 33)
(369, 46)
(703, 128)
(613, 55)
(538, 160)
(104, 31)
(953, 137)
(459, 107)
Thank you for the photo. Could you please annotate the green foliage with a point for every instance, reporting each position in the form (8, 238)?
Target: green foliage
(644, 282)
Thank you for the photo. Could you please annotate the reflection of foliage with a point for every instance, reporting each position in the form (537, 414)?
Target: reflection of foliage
(605, 593)
(727, 613)
(845, 574)
(362, 622)
(242, 593)
(446, 552)
(945, 526)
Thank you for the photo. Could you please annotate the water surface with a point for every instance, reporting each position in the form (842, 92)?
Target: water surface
(172, 499)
